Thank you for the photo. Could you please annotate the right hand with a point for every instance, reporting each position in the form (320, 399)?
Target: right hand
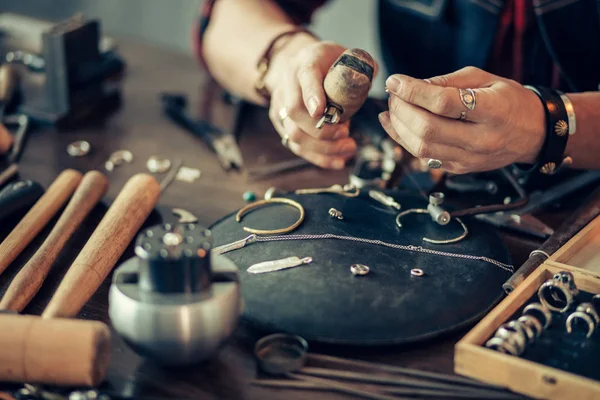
(295, 80)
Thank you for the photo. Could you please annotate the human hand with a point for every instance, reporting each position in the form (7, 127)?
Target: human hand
(295, 80)
(506, 126)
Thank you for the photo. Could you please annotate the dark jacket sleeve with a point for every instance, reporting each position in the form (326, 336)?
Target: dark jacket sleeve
(300, 11)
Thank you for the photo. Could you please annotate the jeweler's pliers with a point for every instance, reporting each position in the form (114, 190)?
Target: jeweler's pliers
(222, 143)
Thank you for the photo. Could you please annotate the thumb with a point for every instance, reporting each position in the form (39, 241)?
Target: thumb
(468, 77)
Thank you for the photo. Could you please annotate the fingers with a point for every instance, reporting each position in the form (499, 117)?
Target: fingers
(311, 79)
(464, 78)
(442, 101)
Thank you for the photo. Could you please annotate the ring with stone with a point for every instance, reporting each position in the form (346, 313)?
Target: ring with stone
(558, 293)
(434, 163)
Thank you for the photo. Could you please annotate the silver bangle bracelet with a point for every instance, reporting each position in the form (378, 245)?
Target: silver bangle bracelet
(570, 113)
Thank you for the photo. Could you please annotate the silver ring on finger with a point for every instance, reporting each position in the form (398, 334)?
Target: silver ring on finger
(282, 114)
(434, 163)
(285, 141)
(467, 97)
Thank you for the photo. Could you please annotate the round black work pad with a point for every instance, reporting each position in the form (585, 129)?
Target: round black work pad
(324, 302)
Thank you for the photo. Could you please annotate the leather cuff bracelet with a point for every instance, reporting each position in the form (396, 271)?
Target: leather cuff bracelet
(551, 156)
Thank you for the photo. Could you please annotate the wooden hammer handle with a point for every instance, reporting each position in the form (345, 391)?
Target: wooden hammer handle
(29, 280)
(38, 216)
(6, 140)
(106, 245)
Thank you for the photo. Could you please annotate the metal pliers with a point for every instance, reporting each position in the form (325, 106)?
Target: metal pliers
(222, 143)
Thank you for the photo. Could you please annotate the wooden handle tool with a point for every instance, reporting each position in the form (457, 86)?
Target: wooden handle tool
(29, 280)
(106, 245)
(347, 85)
(38, 216)
(9, 81)
(67, 352)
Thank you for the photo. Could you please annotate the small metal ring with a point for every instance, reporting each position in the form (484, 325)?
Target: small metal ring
(513, 331)
(584, 316)
(79, 148)
(468, 99)
(434, 163)
(260, 203)
(540, 309)
(282, 114)
(538, 251)
(502, 346)
(418, 272)
(563, 282)
(359, 269)
(532, 322)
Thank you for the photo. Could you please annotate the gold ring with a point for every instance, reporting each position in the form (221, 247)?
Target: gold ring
(261, 203)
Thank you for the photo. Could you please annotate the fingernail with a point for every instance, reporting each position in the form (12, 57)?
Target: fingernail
(393, 84)
(383, 118)
(338, 164)
(342, 133)
(312, 106)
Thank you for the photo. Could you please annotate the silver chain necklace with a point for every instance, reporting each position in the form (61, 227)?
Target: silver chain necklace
(258, 239)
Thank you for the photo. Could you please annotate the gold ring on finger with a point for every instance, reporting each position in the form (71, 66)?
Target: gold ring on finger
(467, 96)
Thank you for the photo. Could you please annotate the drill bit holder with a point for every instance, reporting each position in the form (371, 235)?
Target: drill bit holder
(175, 302)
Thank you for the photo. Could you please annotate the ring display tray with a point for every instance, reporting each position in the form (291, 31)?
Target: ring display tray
(557, 365)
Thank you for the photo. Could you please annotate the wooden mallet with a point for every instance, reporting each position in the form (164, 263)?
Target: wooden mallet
(59, 351)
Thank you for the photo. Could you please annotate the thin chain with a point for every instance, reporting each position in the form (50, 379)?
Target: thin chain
(419, 249)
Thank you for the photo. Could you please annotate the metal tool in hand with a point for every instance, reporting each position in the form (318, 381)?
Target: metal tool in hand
(521, 219)
(222, 143)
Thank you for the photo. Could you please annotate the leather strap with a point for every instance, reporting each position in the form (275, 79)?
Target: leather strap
(552, 156)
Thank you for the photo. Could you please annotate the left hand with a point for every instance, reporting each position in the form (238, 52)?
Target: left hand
(506, 126)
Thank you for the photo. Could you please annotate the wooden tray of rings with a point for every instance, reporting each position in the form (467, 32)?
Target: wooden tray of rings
(560, 365)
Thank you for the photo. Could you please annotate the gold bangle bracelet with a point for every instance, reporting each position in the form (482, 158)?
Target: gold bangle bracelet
(261, 203)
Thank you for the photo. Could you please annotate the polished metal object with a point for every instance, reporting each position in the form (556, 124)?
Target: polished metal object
(586, 312)
(334, 213)
(79, 148)
(188, 175)
(156, 164)
(539, 309)
(275, 200)
(282, 114)
(434, 163)
(346, 190)
(359, 269)
(167, 180)
(278, 265)
(467, 97)
(429, 240)
(438, 214)
(502, 346)
(514, 333)
(538, 251)
(561, 283)
(175, 303)
(117, 158)
(463, 116)
(532, 326)
(285, 141)
(418, 272)
(331, 115)
(185, 217)
(384, 199)
(329, 236)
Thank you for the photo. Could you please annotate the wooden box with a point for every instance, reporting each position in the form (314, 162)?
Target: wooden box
(580, 256)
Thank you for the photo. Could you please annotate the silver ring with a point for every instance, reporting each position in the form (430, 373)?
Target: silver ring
(586, 312)
(562, 282)
(285, 140)
(538, 251)
(283, 114)
(502, 346)
(463, 116)
(434, 163)
(513, 332)
(531, 322)
(467, 96)
(541, 310)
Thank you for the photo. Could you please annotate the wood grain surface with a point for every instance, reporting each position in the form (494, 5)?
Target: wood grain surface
(106, 245)
(42, 211)
(29, 280)
(141, 127)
